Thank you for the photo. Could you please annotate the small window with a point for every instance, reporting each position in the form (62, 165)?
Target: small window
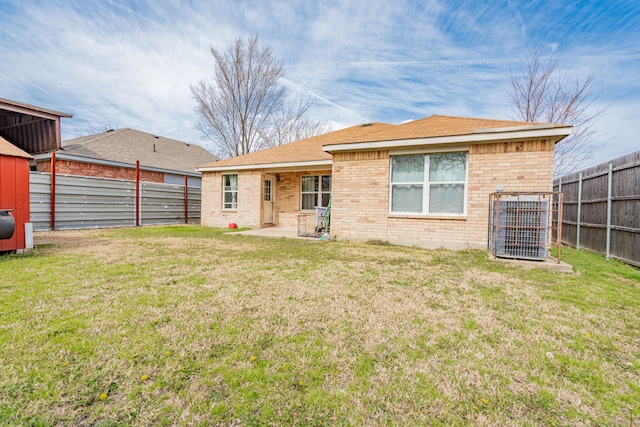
(230, 191)
(267, 190)
(429, 184)
(315, 190)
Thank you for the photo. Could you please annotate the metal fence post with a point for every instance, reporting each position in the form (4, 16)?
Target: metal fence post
(579, 218)
(53, 192)
(186, 199)
(609, 191)
(137, 193)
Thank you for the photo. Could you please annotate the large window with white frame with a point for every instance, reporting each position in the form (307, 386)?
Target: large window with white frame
(315, 190)
(230, 191)
(429, 184)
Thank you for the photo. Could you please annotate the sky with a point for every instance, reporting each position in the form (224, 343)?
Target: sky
(122, 63)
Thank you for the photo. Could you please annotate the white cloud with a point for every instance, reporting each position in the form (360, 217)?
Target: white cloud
(132, 63)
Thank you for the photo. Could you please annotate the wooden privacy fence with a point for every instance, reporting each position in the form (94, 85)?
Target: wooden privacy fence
(602, 208)
(89, 202)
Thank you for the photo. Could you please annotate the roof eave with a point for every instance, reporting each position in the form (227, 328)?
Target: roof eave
(269, 166)
(32, 110)
(17, 153)
(62, 156)
(480, 136)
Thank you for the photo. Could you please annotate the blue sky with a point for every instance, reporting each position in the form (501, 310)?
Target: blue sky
(130, 63)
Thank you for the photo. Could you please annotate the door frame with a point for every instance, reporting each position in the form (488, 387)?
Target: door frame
(273, 180)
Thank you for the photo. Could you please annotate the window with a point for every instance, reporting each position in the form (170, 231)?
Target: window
(267, 190)
(315, 191)
(429, 183)
(230, 191)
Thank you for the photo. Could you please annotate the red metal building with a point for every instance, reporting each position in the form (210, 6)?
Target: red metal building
(14, 192)
(25, 130)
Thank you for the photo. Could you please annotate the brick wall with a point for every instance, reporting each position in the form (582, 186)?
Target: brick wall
(250, 194)
(103, 171)
(249, 211)
(361, 195)
(288, 196)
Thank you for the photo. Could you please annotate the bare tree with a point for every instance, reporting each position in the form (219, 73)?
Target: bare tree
(243, 107)
(290, 123)
(100, 127)
(542, 92)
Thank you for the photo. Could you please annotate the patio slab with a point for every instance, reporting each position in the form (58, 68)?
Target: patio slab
(288, 232)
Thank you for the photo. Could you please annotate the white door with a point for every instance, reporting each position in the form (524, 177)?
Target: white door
(268, 199)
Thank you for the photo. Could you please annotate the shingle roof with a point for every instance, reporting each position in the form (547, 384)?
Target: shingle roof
(305, 150)
(8, 149)
(311, 149)
(435, 126)
(128, 145)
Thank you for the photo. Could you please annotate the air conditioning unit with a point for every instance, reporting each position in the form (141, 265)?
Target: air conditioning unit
(520, 227)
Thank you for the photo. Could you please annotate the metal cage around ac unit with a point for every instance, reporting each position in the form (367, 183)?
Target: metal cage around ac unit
(520, 225)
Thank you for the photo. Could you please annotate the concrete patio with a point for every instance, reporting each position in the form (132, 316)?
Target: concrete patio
(288, 232)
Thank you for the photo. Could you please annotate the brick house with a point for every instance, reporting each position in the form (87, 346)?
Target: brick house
(424, 183)
(113, 154)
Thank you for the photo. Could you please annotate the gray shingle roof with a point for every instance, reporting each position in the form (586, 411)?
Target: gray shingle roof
(128, 145)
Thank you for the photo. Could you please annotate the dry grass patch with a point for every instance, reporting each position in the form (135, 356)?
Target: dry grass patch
(188, 326)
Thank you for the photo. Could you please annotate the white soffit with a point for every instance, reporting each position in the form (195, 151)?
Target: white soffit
(320, 164)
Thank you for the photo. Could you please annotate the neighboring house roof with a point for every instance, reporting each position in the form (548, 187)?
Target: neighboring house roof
(8, 149)
(306, 152)
(428, 131)
(128, 145)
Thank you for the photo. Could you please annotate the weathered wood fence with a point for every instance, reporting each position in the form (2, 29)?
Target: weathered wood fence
(602, 208)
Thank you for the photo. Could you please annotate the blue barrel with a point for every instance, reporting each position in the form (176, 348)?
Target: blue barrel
(7, 224)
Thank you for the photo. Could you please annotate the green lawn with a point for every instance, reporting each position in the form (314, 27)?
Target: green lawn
(191, 326)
